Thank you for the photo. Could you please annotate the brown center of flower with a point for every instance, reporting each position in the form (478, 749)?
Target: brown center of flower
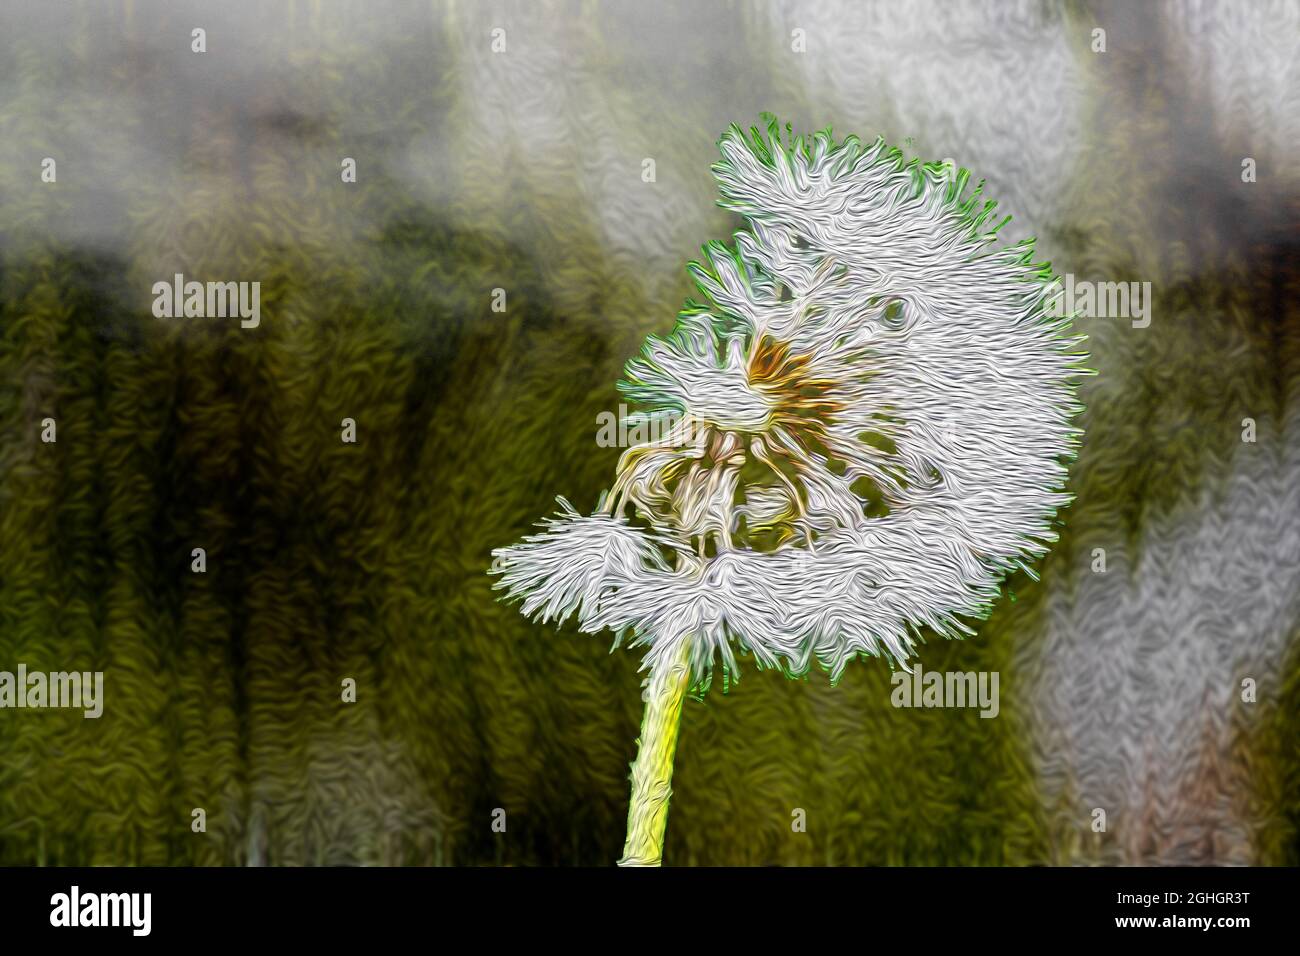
(800, 399)
(724, 488)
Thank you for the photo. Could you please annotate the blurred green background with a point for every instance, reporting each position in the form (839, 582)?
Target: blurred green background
(522, 170)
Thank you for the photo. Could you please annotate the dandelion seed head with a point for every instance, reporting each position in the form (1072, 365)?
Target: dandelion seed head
(873, 418)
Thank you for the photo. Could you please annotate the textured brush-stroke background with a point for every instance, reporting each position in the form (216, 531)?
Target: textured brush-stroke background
(523, 170)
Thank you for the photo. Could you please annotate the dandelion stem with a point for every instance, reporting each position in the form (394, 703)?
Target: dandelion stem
(652, 772)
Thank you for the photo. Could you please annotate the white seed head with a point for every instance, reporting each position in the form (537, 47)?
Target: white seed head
(873, 419)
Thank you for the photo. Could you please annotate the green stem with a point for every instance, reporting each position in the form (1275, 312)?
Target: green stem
(652, 772)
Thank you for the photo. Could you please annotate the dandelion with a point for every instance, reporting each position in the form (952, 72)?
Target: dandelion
(871, 421)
